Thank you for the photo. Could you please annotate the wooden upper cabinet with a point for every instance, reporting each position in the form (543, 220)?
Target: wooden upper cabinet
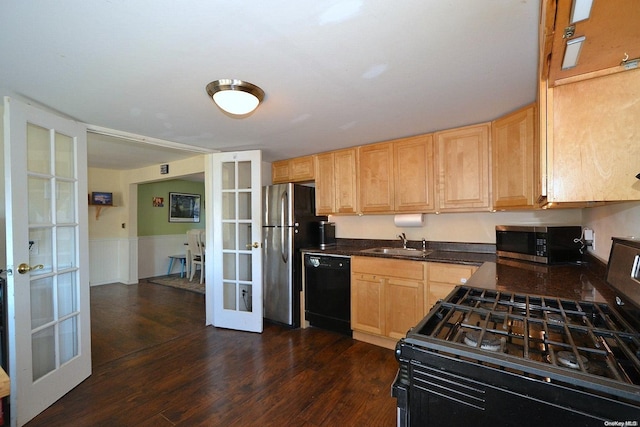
(462, 158)
(611, 32)
(299, 169)
(375, 184)
(513, 147)
(336, 182)
(413, 170)
(325, 184)
(593, 151)
(346, 180)
(280, 171)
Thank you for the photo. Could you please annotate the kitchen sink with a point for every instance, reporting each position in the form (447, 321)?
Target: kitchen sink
(397, 251)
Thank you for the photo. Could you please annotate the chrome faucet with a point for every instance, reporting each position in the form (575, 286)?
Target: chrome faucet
(404, 240)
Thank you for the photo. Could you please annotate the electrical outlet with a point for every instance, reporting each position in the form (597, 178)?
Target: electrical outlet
(589, 237)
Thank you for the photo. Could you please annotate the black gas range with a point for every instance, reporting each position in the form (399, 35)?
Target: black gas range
(486, 357)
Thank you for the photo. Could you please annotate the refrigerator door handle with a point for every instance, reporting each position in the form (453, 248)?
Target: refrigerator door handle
(283, 229)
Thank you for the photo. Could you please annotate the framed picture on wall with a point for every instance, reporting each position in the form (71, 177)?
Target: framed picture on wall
(184, 207)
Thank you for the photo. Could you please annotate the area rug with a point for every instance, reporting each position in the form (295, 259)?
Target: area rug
(175, 281)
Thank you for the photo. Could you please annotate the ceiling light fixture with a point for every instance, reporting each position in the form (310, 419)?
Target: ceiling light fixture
(236, 97)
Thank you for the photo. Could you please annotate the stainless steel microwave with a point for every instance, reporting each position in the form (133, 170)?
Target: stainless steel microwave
(539, 243)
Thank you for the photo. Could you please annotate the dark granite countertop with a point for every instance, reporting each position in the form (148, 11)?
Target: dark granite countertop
(454, 253)
(584, 281)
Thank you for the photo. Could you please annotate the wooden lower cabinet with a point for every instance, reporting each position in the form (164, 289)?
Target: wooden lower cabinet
(386, 298)
(442, 278)
(367, 307)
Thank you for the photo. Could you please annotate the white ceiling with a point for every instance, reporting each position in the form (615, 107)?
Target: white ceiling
(336, 73)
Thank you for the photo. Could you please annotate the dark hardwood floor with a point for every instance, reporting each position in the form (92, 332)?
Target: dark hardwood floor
(156, 364)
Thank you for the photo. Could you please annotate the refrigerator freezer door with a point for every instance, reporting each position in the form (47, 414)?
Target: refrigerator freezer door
(278, 275)
(277, 201)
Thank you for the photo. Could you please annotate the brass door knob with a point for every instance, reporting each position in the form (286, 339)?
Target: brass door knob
(254, 245)
(24, 268)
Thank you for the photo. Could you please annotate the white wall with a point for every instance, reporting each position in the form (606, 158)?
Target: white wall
(154, 251)
(616, 220)
(450, 227)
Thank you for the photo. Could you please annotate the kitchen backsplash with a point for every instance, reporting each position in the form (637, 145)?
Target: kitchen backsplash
(619, 220)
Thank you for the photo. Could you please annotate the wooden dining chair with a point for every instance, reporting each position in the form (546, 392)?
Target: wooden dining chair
(196, 250)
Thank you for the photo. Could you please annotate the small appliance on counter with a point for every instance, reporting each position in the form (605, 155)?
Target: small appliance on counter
(539, 243)
(327, 234)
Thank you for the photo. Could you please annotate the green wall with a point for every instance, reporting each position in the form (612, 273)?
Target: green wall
(154, 221)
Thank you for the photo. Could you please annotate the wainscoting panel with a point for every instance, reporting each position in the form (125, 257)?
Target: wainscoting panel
(154, 251)
(104, 261)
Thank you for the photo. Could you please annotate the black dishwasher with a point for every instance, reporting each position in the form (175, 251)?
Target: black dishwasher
(328, 292)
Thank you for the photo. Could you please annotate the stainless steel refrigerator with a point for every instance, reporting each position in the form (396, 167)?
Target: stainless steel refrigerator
(289, 224)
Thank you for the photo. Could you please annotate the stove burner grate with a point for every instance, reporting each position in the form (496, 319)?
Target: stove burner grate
(490, 341)
(569, 360)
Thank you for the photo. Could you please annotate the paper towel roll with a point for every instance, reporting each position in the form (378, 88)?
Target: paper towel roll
(409, 220)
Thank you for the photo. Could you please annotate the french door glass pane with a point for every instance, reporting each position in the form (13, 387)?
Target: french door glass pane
(41, 251)
(244, 235)
(228, 236)
(65, 202)
(245, 267)
(244, 205)
(245, 298)
(229, 266)
(228, 205)
(43, 352)
(67, 294)
(229, 292)
(66, 247)
(39, 190)
(41, 302)
(65, 162)
(244, 175)
(228, 175)
(39, 148)
(68, 339)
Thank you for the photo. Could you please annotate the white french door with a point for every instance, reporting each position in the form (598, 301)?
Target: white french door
(233, 258)
(49, 336)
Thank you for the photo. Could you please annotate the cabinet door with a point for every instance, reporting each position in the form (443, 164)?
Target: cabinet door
(280, 171)
(413, 174)
(375, 173)
(325, 184)
(367, 308)
(301, 169)
(462, 156)
(345, 180)
(442, 278)
(404, 306)
(593, 153)
(513, 145)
